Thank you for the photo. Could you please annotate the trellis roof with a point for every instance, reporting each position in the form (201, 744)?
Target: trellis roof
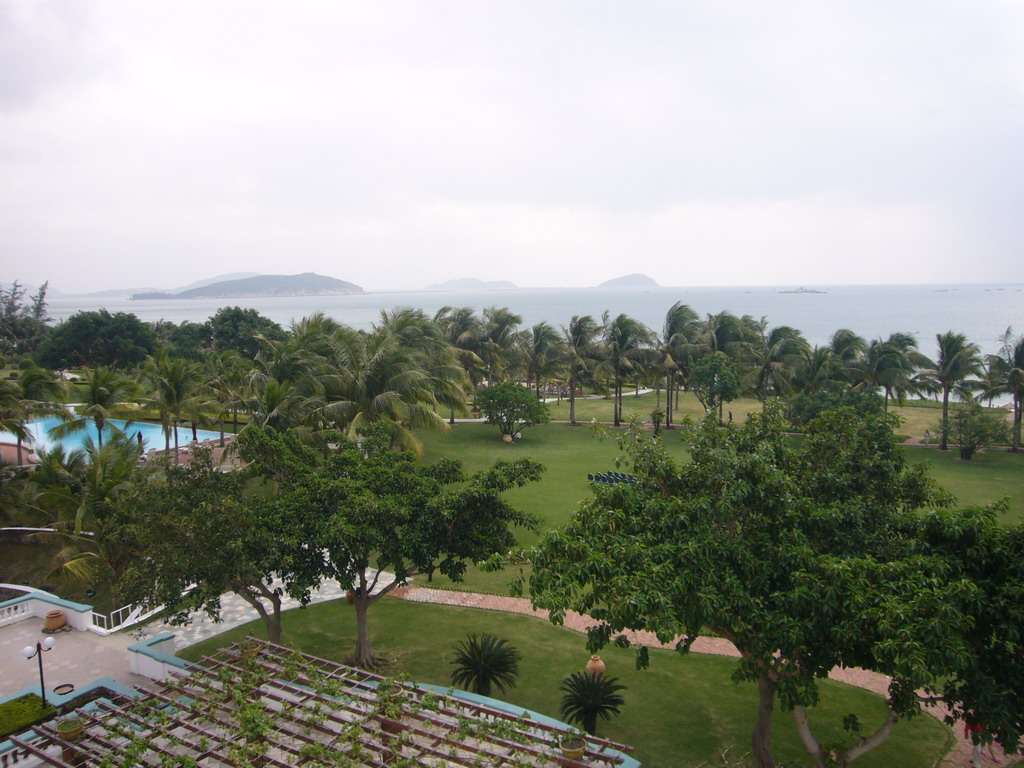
(258, 703)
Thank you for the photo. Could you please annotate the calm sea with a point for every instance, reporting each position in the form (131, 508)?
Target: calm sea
(981, 312)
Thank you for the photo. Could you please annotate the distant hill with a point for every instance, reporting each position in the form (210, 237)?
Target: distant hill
(306, 284)
(630, 281)
(212, 280)
(470, 284)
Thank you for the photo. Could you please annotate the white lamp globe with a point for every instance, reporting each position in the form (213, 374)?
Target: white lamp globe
(28, 651)
(48, 643)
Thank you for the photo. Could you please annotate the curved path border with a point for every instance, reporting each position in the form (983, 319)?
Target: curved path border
(958, 756)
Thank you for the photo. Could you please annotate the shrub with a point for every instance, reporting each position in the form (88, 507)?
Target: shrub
(18, 714)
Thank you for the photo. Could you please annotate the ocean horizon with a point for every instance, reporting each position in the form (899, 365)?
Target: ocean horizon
(982, 312)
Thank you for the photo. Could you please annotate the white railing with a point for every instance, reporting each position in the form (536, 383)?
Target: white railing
(9, 614)
(125, 616)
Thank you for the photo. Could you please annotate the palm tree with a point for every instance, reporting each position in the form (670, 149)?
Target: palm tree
(461, 329)
(675, 349)
(958, 360)
(772, 356)
(105, 395)
(28, 397)
(225, 385)
(890, 364)
(498, 336)
(848, 347)
(581, 354)
(817, 369)
(171, 381)
(1008, 368)
(377, 378)
(588, 697)
(626, 342)
(541, 351)
(484, 661)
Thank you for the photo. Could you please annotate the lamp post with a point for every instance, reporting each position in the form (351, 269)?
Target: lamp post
(40, 648)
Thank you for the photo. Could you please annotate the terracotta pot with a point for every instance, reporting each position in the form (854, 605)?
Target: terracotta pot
(506, 438)
(53, 620)
(573, 749)
(71, 729)
(595, 666)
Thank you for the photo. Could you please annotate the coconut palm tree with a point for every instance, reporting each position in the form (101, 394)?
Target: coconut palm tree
(675, 349)
(772, 355)
(541, 351)
(225, 386)
(172, 381)
(1008, 368)
(588, 697)
(848, 347)
(581, 354)
(461, 329)
(626, 341)
(890, 364)
(30, 396)
(484, 661)
(958, 360)
(817, 368)
(499, 333)
(377, 378)
(104, 394)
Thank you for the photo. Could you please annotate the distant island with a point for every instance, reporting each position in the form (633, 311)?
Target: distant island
(801, 289)
(630, 281)
(470, 284)
(261, 286)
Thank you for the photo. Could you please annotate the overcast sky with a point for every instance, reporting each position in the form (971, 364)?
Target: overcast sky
(396, 144)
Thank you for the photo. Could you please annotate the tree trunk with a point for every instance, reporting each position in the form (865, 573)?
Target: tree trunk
(1018, 408)
(572, 401)
(271, 622)
(20, 462)
(221, 422)
(590, 723)
(177, 455)
(617, 406)
(451, 419)
(195, 433)
(364, 656)
(944, 445)
(669, 381)
(762, 737)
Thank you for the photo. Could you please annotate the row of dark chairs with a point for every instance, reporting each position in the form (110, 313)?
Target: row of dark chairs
(611, 478)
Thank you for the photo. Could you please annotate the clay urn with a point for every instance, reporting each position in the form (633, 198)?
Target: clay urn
(595, 666)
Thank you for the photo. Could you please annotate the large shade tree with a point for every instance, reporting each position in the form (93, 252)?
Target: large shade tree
(805, 557)
(374, 510)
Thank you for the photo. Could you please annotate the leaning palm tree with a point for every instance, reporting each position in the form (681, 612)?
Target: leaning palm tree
(957, 362)
(484, 661)
(772, 356)
(105, 394)
(32, 395)
(890, 364)
(588, 697)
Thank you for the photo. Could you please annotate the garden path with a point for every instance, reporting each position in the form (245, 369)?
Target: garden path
(959, 755)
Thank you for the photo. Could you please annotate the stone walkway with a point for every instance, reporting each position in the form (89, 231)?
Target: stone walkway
(959, 755)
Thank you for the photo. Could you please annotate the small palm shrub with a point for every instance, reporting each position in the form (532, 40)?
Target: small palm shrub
(588, 696)
(484, 661)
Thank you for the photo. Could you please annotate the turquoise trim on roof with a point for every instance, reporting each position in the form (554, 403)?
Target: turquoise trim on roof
(46, 597)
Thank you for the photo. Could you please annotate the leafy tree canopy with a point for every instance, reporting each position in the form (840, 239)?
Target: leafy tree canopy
(715, 380)
(98, 338)
(805, 557)
(971, 428)
(236, 328)
(511, 407)
(372, 509)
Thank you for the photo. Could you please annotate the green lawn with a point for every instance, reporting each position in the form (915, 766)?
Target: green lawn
(641, 406)
(680, 712)
(989, 476)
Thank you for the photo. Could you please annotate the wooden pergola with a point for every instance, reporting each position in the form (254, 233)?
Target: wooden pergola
(260, 704)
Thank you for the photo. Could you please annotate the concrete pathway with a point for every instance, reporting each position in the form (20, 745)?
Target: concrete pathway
(958, 756)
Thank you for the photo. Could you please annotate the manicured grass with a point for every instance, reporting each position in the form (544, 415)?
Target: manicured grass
(642, 405)
(680, 712)
(989, 476)
(920, 415)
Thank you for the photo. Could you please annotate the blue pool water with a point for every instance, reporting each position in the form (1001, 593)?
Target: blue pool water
(152, 434)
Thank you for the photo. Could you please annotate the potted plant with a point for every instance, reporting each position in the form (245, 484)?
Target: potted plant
(249, 648)
(70, 728)
(573, 746)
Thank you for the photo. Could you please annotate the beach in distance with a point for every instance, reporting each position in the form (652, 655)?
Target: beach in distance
(982, 312)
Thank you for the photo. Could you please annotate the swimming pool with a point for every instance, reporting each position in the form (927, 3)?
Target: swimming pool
(152, 434)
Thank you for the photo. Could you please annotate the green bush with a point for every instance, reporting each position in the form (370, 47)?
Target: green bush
(18, 714)
(806, 407)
